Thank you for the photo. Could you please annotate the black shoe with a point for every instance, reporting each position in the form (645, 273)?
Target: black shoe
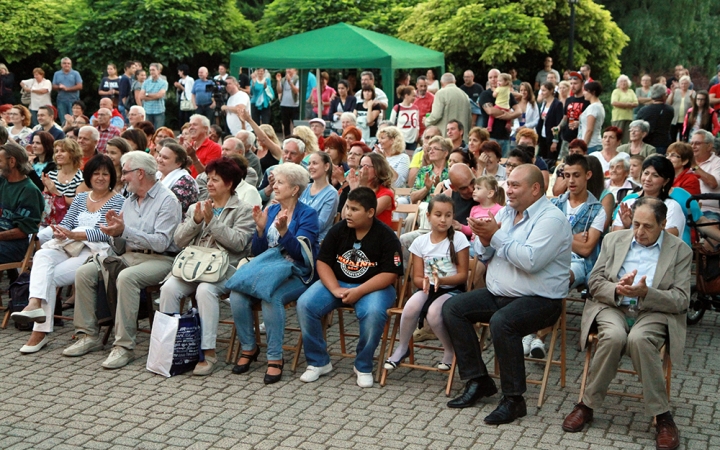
(475, 389)
(270, 379)
(507, 411)
(242, 368)
(391, 365)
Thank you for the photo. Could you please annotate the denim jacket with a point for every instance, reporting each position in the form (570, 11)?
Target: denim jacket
(583, 219)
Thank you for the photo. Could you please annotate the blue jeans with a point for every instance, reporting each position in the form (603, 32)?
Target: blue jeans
(371, 311)
(273, 315)
(207, 111)
(63, 107)
(594, 148)
(158, 120)
(510, 320)
(712, 216)
(504, 145)
(13, 251)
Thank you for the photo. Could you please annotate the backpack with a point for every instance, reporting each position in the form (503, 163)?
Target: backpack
(19, 298)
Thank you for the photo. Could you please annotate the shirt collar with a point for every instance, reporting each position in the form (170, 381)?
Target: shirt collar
(533, 209)
(657, 243)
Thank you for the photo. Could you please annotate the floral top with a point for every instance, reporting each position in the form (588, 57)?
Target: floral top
(420, 178)
(186, 191)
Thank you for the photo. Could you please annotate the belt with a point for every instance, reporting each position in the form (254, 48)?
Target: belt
(150, 252)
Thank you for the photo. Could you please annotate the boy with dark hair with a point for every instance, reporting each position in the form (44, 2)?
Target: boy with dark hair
(359, 261)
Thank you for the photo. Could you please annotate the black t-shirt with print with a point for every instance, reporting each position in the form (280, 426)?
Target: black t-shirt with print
(499, 131)
(574, 107)
(473, 91)
(378, 252)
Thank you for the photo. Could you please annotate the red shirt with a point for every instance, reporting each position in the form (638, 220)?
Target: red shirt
(386, 216)
(689, 181)
(207, 151)
(716, 90)
(424, 105)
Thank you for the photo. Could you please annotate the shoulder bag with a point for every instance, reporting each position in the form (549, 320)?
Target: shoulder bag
(201, 264)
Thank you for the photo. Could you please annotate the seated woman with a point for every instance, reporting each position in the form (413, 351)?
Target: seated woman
(440, 270)
(280, 224)
(53, 265)
(42, 157)
(375, 173)
(223, 222)
(619, 184)
(337, 147)
(352, 134)
(320, 195)
(172, 161)
(433, 174)
(355, 154)
(161, 134)
(137, 139)
(488, 161)
(269, 149)
(19, 125)
(682, 158)
(392, 145)
(115, 148)
(64, 182)
(638, 129)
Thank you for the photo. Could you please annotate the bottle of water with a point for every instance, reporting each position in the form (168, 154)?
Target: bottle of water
(632, 313)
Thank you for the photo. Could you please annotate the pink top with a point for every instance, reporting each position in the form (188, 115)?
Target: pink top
(478, 212)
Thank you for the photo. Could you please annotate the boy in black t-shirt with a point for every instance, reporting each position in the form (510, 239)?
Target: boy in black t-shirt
(359, 261)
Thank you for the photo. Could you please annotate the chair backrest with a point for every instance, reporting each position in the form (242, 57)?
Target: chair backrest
(27, 259)
(402, 192)
(405, 286)
(412, 211)
(471, 275)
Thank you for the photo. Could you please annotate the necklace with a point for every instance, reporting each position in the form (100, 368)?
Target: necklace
(92, 199)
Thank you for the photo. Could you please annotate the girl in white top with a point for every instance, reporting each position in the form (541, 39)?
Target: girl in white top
(440, 268)
(591, 120)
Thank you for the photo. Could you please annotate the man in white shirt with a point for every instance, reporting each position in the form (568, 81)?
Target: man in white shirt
(367, 79)
(237, 99)
(707, 168)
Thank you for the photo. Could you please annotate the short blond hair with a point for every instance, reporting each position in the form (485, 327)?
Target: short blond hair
(396, 135)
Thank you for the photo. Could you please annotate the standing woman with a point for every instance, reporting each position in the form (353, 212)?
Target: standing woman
(39, 89)
(432, 83)
(529, 108)
(367, 113)
(18, 128)
(623, 101)
(320, 195)
(261, 94)
(680, 99)
(172, 162)
(551, 114)
(643, 92)
(563, 92)
(326, 95)
(110, 85)
(136, 87)
(223, 222)
(375, 173)
(116, 147)
(392, 145)
(7, 80)
(279, 225)
(343, 102)
(700, 117)
(406, 116)
(183, 89)
(591, 120)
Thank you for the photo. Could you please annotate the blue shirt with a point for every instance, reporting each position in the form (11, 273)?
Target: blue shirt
(151, 86)
(642, 258)
(70, 79)
(311, 84)
(532, 257)
(202, 97)
(325, 203)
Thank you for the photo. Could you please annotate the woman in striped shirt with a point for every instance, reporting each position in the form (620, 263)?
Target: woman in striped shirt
(64, 182)
(55, 264)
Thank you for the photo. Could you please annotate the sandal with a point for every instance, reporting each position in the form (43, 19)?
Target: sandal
(443, 366)
(270, 379)
(391, 365)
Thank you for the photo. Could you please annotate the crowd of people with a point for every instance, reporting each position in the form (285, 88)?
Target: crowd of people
(527, 178)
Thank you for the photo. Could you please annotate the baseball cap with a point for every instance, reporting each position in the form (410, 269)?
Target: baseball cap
(318, 120)
(577, 75)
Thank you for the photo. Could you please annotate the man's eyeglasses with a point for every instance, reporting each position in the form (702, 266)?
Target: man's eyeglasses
(697, 143)
(125, 172)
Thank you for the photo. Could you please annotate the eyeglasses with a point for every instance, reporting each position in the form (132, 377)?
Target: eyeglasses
(694, 143)
(435, 149)
(366, 166)
(672, 155)
(125, 172)
(511, 165)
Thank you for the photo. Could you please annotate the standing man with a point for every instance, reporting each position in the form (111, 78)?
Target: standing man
(288, 89)
(541, 76)
(106, 130)
(125, 88)
(707, 169)
(153, 95)
(143, 234)
(222, 73)
(237, 99)
(202, 95)
(200, 148)
(499, 132)
(423, 101)
(68, 83)
(367, 80)
(528, 247)
(574, 107)
(650, 267)
(450, 103)
(473, 91)
(585, 71)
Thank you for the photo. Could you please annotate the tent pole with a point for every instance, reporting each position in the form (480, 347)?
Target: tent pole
(319, 93)
(302, 93)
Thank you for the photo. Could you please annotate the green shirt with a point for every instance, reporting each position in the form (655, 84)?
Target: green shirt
(21, 205)
(420, 178)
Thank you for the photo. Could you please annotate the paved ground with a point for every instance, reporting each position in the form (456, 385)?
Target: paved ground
(49, 401)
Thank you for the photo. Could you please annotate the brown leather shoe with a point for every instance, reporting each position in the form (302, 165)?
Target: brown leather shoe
(667, 437)
(576, 420)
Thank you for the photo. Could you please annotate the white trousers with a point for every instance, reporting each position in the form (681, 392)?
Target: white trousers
(52, 269)
(207, 296)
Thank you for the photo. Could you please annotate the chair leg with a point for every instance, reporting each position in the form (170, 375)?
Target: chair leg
(341, 330)
(391, 346)
(106, 336)
(451, 376)
(563, 345)
(297, 350)
(586, 369)
(231, 346)
(6, 318)
(548, 363)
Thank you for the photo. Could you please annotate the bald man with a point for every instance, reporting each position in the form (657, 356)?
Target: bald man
(202, 96)
(105, 130)
(527, 250)
(116, 119)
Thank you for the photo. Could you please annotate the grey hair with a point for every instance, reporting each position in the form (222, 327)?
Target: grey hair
(140, 160)
(204, 120)
(298, 142)
(349, 116)
(643, 125)
(368, 73)
(447, 78)
(685, 77)
(239, 146)
(621, 159)
(295, 174)
(623, 78)
(13, 150)
(93, 131)
(708, 137)
(658, 207)
(139, 109)
(65, 59)
(249, 139)
(658, 91)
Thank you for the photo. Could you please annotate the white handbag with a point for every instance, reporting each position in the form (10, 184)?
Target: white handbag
(201, 264)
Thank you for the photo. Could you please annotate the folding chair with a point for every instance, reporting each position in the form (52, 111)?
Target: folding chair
(23, 265)
(149, 306)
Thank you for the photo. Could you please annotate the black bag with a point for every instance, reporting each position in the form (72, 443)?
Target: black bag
(19, 298)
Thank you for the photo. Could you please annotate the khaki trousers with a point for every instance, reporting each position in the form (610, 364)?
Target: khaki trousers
(642, 344)
(143, 271)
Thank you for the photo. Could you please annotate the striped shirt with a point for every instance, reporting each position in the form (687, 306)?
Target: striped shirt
(68, 189)
(79, 206)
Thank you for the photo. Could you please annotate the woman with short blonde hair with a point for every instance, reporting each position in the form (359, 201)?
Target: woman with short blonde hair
(392, 145)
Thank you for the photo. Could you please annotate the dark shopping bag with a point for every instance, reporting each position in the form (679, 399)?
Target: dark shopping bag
(174, 343)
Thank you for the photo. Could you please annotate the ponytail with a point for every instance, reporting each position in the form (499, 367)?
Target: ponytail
(442, 198)
(451, 238)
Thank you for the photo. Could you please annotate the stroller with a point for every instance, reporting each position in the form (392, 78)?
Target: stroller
(705, 293)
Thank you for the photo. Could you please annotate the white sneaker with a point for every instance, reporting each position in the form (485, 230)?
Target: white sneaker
(537, 349)
(84, 345)
(312, 373)
(527, 340)
(364, 380)
(119, 357)
(261, 327)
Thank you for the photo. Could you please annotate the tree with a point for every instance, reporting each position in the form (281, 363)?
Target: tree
(503, 32)
(28, 28)
(284, 18)
(165, 31)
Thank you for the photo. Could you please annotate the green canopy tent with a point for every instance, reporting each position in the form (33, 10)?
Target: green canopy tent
(339, 46)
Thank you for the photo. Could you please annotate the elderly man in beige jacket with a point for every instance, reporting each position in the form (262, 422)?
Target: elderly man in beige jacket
(451, 103)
